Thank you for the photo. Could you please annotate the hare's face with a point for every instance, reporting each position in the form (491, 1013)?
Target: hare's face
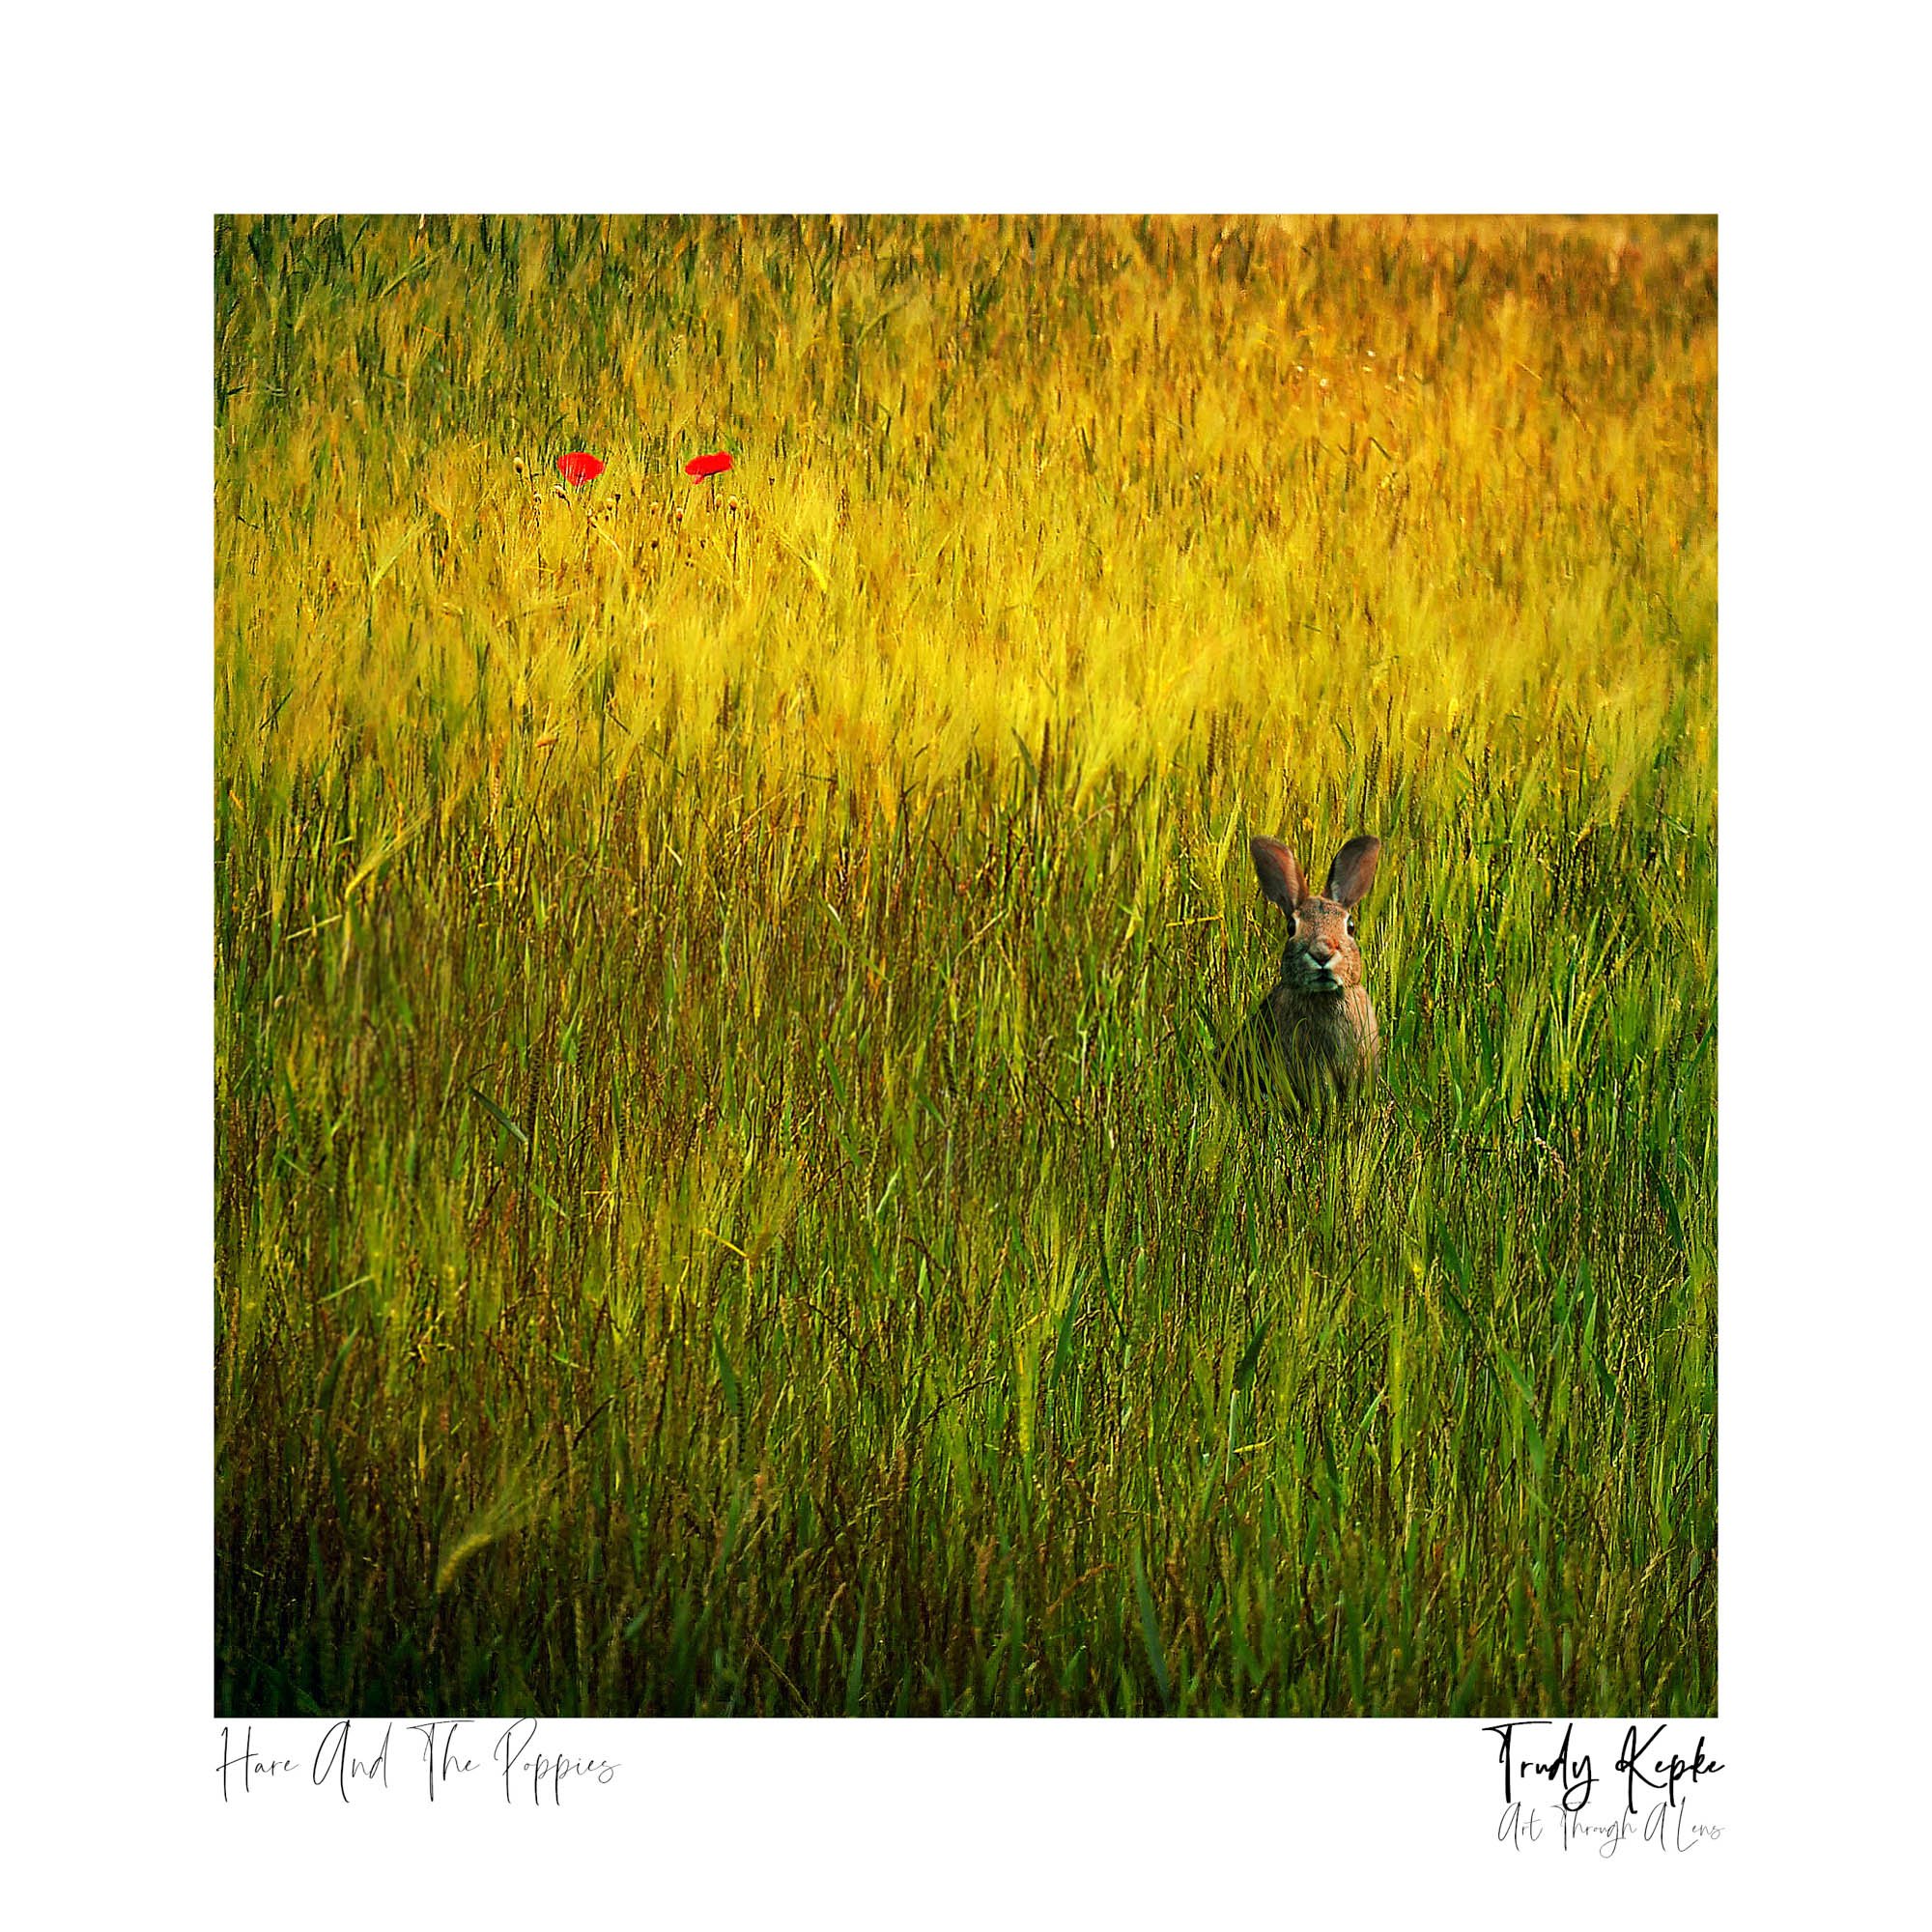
(1322, 955)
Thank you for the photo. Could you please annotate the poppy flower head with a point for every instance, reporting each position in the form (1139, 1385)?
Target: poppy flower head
(578, 466)
(708, 465)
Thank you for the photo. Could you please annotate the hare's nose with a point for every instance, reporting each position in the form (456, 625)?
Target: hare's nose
(1321, 953)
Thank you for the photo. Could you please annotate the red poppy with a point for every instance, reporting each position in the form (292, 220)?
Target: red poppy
(578, 466)
(707, 466)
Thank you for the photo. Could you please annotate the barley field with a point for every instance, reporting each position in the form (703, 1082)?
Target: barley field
(723, 1200)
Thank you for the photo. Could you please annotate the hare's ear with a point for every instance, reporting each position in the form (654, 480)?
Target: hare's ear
(1280, 875)
(1353, 871)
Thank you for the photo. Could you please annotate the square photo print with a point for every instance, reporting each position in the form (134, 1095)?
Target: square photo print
(965, 966)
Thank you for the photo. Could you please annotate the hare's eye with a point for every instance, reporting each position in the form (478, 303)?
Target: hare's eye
(1352, 927)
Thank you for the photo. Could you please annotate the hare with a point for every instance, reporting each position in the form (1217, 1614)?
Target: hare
(1317, 1027)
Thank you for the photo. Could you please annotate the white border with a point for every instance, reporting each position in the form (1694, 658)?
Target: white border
(128, 147)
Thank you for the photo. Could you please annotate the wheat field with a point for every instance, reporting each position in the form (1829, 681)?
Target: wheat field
(722, 1203)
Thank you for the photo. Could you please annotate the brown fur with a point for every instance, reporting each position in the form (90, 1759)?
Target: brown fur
(1317, 1029)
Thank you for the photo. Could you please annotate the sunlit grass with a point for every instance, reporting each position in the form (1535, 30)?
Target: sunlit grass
(721, 1198)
